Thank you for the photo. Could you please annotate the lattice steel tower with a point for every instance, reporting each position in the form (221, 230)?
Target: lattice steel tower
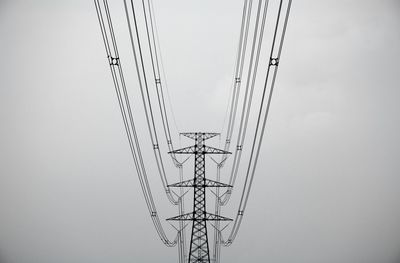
(199, 249)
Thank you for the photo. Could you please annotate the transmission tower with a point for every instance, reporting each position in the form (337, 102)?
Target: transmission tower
(246, 70)
(199, 249)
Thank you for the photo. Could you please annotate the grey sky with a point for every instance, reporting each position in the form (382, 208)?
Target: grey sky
(327, 186)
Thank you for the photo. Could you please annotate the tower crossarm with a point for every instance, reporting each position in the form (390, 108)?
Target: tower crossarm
(197, 135)
(199, 217)
(195, 150)
(192, 183)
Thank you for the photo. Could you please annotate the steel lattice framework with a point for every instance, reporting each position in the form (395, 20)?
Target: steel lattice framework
(199, 248)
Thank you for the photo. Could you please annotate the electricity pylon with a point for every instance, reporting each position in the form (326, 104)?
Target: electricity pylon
(199, 249)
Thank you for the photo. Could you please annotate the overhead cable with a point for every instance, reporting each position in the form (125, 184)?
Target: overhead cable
(264, 107)
(114, 60)
(144, 91)
(149, 19)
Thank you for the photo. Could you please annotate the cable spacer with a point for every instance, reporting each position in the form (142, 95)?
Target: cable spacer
(153, 214)
(158, 81)
(239, 147)
(240, 212)
(237, 80)
(169, 141)
(155, 146)
(114, 61)
(273, 61)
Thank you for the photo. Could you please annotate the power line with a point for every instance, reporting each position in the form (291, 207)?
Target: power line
(151, 40)
(126, 112)
(248, 95)
(155, 62)
(247, 101)
(262, 116)
(240, 58)
(144, 91)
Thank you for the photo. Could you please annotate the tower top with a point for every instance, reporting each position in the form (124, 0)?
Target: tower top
(199, 147)
(197, 135)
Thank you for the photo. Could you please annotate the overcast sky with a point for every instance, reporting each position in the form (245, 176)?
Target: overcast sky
(327, 188)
